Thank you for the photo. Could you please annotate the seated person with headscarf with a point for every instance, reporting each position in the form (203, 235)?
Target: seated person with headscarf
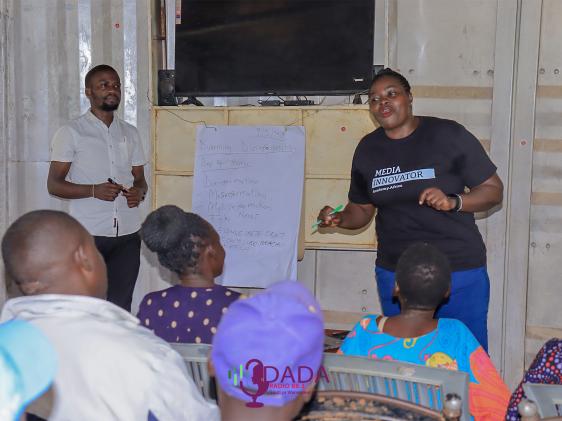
(267, 353)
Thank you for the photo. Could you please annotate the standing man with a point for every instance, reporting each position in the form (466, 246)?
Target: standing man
(97, 161)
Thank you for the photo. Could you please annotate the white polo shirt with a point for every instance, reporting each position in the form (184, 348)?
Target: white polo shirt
(98, 152)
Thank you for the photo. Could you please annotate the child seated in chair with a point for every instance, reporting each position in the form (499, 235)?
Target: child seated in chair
(423, 281)
(189, 246)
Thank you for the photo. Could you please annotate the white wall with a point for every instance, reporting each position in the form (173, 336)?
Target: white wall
(4, 116)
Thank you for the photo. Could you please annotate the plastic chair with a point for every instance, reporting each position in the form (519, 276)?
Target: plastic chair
(547, 397)
(195, 357)
(425, 386)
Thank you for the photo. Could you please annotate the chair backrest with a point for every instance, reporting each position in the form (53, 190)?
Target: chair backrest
(344, 406)
(195, 357)
(547, 397)
(421, 385)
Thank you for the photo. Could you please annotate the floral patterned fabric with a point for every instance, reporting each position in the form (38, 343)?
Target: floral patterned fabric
(546, 368)
(451, 345)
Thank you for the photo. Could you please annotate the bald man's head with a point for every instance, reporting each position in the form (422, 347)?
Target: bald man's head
(48, 251)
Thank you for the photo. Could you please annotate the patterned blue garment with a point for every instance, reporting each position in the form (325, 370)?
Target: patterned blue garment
(451, 345)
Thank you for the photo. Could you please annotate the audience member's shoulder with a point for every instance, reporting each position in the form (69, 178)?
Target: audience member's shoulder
(457, 330)
(457, 334)
(219, 289)
(554, 344)
(551, 348)
(550, 351)
(353, 342)
(135, 342)
(156, 296)
(452, 324)
(152, 343)
(126, 352)
(367, 323)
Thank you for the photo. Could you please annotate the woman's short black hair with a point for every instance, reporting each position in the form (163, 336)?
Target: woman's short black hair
(423, 275)
(388, 72)
(177, 237)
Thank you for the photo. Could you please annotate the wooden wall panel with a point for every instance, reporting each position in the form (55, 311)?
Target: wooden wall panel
(270, 116)
(321, 192)
(544, 317)
(175, 131)
(173, 190)
(331, 136)
(345, 286)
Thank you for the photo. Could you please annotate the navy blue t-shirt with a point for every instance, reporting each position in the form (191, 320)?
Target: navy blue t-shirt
(392, 173)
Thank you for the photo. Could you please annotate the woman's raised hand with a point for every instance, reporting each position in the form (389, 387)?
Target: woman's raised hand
(327, 218)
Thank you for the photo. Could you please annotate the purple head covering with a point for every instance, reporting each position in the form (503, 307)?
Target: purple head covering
(268, 348)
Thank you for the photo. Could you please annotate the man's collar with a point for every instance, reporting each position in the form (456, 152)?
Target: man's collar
(94, 119)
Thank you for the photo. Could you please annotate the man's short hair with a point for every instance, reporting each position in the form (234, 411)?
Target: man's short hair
(423, 275)
(25, 232)
(97, 69)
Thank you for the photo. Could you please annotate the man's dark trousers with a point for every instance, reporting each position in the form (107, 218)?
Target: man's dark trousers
(122, 258)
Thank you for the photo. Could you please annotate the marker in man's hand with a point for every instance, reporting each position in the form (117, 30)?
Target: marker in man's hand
(124, 190)
(336, 210)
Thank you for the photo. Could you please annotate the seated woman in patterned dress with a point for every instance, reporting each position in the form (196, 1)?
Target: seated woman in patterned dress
(189, 246)
(423, 281)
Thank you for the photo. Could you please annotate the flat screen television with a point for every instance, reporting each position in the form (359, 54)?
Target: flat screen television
(274, 47)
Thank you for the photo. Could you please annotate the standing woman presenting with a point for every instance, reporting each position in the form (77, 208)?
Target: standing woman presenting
(413, 170)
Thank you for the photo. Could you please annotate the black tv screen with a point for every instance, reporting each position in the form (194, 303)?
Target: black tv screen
(278, 47)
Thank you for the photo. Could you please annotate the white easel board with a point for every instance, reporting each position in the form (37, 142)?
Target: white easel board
(248, 184)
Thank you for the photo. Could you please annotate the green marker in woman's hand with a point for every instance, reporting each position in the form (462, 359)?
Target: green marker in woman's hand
(336, 210)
